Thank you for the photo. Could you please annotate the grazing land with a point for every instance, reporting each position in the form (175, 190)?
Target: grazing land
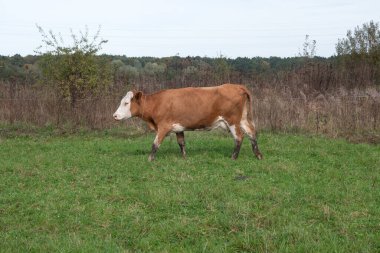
(97, 192)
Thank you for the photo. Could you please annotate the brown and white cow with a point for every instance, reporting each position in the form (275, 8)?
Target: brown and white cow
(176, 110)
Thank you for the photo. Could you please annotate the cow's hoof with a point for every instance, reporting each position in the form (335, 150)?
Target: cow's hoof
(151, 158)
(259, 156)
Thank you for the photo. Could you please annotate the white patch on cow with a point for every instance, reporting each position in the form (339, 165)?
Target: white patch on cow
(233, 131)
(245, 124)
(177, 128)
(244, 120)
(220, 122)
(207, 88)
(155, 142)
(124, 110)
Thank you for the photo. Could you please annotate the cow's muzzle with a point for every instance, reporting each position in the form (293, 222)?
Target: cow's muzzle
(115, 116)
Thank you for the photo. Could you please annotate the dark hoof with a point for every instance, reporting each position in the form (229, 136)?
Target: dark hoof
(259, 156)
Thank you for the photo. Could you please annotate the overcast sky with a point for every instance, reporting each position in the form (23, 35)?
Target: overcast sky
(187, 27)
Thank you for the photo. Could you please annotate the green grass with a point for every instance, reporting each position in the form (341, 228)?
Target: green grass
(87, 193)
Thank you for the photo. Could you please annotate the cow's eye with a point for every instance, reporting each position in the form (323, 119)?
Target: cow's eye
(125, 103)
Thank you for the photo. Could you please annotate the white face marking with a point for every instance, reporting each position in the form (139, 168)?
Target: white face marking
(177, 128)
(124, 110)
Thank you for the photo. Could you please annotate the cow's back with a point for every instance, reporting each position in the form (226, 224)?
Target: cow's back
(196, 108)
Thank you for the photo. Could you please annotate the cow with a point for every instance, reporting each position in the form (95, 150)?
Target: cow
(228, 106)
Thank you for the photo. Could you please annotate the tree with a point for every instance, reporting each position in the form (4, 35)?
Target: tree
(309, 48)
(222, 70)
(75, 70)
(359, 53)
(363, 40)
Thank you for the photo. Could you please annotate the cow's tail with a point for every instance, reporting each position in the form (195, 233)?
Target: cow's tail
(250, 127)
(249, 105)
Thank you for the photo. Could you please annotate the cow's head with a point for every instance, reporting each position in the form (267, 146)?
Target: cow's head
(129, 106)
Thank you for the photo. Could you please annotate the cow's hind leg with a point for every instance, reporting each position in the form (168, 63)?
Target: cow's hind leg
(249, 129)
(160, 136)
(238, 137)
(181, 143)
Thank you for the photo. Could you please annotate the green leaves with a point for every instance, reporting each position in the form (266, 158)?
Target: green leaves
(75, 70)
(359, 53)
(363, 40)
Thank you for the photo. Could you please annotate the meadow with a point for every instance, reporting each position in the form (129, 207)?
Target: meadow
(97, 192)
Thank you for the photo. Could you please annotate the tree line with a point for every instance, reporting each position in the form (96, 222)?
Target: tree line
(27, 69)
(78, 71)
(73, 86)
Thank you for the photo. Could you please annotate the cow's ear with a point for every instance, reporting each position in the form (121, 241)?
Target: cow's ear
(137, 96)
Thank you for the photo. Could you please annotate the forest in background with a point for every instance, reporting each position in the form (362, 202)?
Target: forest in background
(337, 96)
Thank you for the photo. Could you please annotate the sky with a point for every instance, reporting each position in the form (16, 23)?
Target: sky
(160, 28)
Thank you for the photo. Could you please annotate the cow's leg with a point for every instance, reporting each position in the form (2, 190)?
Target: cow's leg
(238, 137)
(161, 133)
(181, 143)
(249, 128)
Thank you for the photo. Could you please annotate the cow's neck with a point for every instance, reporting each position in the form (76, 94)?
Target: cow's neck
(145, 111)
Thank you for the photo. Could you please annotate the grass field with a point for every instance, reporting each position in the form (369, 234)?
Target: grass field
(98, 192)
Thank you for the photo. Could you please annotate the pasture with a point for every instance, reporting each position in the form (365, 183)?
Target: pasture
(97, 192)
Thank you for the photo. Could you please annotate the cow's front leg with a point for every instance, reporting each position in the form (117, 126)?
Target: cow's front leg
(181, 143)
(160, 136)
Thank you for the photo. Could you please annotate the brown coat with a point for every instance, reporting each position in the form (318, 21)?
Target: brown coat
(176, 110)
